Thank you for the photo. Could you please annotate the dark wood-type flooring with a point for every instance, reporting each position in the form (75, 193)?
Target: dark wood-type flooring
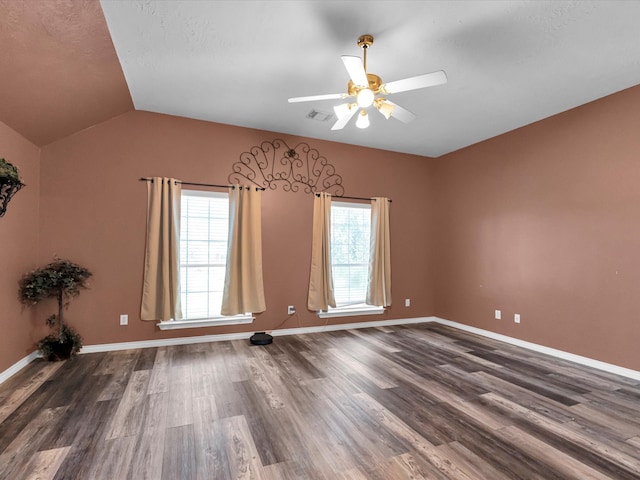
(405, 402)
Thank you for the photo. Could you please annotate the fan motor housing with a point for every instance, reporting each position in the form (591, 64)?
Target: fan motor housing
(365, 41)
(375, 82)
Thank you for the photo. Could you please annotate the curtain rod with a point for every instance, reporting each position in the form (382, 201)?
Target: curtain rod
(353, 198)
(145, 179)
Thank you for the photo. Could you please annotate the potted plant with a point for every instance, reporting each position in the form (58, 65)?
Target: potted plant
(7, 170)
(10, 183)
(62, 280)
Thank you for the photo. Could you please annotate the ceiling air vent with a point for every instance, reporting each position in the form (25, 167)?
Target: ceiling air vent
(319, 116)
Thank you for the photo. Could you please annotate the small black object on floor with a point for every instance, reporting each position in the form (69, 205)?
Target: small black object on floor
(261, 338)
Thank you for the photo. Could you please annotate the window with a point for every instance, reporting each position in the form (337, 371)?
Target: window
(204, 226)
(350, 242)
(350, 230)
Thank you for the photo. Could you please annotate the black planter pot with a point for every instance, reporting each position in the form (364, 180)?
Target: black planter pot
(60, 351)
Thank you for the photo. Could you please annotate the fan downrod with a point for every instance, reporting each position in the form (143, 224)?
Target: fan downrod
(375, 82)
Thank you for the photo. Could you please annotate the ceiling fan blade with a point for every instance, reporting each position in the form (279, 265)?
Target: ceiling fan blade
(342, 121)
(356, 71)
(385, 107)
(401, 114)
(329, 96)
(344, 109)
(413, 83)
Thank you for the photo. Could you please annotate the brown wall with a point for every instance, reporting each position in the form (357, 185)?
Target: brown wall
(545, 222)
(18, 248)
(542, 221)
(93, 212)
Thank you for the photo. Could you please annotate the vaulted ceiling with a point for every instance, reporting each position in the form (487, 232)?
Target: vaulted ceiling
(59, 72)
(66, 65)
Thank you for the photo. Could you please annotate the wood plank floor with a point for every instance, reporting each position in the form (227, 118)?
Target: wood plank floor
(404, 402)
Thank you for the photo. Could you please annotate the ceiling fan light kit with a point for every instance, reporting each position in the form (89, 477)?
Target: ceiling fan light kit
(365, 98)
(385, 108)
(368, 90)
(363, 119)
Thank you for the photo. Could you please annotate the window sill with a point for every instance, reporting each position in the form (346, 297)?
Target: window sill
(205, 322)
(351, 311)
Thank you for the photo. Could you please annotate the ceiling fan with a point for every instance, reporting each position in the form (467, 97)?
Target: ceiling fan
(366, 90)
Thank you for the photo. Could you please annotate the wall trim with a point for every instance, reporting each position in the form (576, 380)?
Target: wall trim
(586, 361)
(110, 347)
(165, 342)
(16, 367)
(350, 326)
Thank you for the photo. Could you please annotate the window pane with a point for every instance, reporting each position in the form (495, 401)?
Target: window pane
(197, 279)
(360, 252)
(218, 252)
(216, 279)
(203, 252)
(340, 277)
(358, 275)
(215, 301)
(198, 228)
(218, 228)
(196, 305)
(339, 253)
(198, 207)
(197, 252)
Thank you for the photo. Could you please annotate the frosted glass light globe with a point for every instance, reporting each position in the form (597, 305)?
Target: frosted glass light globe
(365, 98)
(363, 119)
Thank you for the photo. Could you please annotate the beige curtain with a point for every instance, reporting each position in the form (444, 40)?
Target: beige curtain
(379, 287)
(161, 288)
(243, 287)
(321, 279)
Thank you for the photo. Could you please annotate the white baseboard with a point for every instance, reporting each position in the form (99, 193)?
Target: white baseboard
(16, 367)
(586, 361)
(165, 342)
(350, 326)
(109, 347)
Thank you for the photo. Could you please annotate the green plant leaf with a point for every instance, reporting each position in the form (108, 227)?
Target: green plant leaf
(9, 170)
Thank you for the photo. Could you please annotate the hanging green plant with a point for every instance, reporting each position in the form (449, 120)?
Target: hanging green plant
(10, 183)
(62, 280)
(8, 170)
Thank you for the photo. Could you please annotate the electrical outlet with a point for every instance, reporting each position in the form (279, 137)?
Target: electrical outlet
(124, 319)
(291, 310)
(498, 314)
(407, 302)
(516, 318)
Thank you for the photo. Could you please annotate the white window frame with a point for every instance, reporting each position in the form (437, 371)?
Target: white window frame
(357, 309)
(214, 320)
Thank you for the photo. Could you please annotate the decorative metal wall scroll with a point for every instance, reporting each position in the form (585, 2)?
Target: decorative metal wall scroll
(273, 164)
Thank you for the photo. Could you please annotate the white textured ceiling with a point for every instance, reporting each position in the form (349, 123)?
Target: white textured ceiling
(509, 63)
